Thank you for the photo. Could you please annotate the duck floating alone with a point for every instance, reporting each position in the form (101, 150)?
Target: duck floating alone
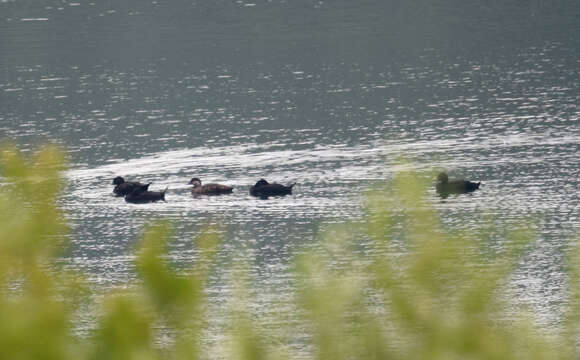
(209, 189)
(445, 186)
(264, 189)
(141, 195)
(123, 187)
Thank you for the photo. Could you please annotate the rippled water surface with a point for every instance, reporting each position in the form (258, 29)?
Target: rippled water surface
(310, 98)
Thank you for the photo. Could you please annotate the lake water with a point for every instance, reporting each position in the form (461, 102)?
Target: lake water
(326, 94)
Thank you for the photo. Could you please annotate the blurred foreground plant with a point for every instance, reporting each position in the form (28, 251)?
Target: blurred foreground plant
(423, 293)
(38, 299)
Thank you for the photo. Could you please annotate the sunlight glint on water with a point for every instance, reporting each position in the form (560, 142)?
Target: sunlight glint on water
(330, 112)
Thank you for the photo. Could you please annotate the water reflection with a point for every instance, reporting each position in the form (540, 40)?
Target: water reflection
(334, 127)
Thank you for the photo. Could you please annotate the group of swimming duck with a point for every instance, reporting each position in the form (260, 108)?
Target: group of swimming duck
(138, 193)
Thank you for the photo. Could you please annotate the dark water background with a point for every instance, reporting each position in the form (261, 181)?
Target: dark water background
(323, 93)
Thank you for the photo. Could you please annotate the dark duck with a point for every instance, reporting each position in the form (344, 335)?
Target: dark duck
(123, 187)
(445, 186)
(209, 189)
(264, 189)
(141, 195)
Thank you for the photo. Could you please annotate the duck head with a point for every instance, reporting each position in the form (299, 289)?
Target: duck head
(442, 178)
(262, 182)
(118, 180)
(195, 182)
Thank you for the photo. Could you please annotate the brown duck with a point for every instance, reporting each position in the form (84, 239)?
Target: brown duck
(209, 189)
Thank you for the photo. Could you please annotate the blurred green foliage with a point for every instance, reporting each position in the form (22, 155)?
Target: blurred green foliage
(424, 293)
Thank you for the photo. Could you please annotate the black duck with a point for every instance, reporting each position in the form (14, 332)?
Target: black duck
(445, 186)
(123, 187)
(264, 189)
(140, 195)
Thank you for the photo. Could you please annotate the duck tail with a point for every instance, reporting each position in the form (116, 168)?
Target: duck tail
(477, 185)
(163, 193)
(291, 185)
